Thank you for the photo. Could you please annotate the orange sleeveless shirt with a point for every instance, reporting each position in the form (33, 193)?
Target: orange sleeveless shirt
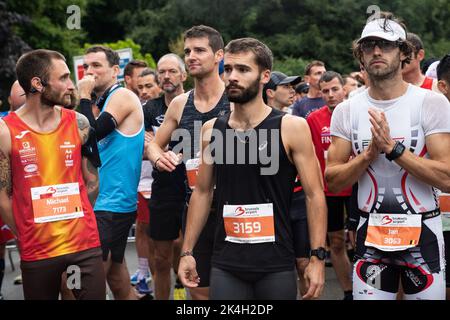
(50, 204)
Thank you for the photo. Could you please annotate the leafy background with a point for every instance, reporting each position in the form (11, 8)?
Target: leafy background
(297, 31)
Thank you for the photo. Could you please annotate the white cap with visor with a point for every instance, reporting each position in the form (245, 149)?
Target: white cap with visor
(385, 29)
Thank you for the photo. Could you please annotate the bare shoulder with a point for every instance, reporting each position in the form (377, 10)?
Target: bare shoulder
(5, 137)
(295, 133)
(179, 101)
(175, 108)
(293, 124)
(83, 127)
(209, 124)
(207, 129)
(124, 97)
(82, 121)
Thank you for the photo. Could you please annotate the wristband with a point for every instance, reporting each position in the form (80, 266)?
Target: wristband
(186, 253)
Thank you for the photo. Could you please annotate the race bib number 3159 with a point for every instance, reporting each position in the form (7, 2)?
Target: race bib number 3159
(249, 223)
(56, 202)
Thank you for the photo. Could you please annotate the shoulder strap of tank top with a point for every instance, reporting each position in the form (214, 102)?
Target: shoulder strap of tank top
(222, 122)
(223, 97)
(190, 100)
(101, 101)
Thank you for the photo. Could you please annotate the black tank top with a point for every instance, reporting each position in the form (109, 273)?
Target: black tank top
(166, 186)
(192, 120)
(240, 184)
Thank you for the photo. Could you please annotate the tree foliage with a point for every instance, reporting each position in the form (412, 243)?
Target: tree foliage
(297, 31)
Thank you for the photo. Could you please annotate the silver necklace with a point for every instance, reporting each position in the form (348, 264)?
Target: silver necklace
(247, 137)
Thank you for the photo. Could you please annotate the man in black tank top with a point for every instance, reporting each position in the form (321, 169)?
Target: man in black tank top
(167, 190)
(203, 48)
(254, 177)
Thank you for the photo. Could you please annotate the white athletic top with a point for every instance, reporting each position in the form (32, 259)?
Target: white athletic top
(145, 182)
(385, 187)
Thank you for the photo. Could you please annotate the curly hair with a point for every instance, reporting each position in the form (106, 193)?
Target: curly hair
(405, 46)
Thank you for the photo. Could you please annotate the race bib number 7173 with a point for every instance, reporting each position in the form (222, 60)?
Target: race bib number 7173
(56, 202)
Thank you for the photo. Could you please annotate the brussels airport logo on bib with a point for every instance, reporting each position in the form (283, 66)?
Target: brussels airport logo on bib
(67, 148)
(386, 220)
(239, 211)
(48, 193)
(248, 211)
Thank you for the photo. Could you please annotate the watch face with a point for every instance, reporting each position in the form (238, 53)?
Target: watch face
(320, 253)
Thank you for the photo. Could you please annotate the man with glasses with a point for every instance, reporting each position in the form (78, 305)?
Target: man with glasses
(399, 135)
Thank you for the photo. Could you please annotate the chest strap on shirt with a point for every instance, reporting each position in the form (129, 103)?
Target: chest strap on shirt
(431, 214)
(425, 215)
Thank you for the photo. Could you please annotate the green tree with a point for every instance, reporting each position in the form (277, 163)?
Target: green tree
(11, 48)
(48, 25)
(290, 66)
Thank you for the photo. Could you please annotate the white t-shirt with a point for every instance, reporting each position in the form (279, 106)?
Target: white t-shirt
(385, 186)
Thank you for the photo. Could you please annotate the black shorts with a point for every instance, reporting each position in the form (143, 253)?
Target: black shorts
(352, 210)
(166, 219)
(447, 258)
(113, 229)
(203, 250)
(299, 223)
(42, 278)
(336, 213)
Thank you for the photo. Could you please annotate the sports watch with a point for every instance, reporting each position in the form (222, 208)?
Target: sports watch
(320, 253)
(396, 152)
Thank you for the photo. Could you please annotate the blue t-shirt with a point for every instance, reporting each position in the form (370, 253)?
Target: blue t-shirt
(307, 105)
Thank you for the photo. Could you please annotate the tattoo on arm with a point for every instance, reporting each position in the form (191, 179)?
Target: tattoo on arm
(5, 174)
(83, 127)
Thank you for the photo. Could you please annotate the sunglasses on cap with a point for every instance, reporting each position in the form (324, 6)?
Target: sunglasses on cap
(367, 46)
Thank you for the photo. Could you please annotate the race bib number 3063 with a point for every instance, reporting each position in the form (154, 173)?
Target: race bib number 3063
(393, 232)
(251, 224)
(56, 202)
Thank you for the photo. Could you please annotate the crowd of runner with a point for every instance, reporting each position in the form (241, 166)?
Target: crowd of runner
(240, 188)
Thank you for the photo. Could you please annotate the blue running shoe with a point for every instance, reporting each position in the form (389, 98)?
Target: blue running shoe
(143, 288)
(134, 279)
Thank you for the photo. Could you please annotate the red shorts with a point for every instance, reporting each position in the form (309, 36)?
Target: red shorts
(5, 233)
(143, 214)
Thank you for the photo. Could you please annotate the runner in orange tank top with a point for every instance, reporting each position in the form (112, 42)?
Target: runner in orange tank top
(47, 183)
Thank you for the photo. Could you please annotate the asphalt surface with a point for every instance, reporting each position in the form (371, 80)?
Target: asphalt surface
(10, 291)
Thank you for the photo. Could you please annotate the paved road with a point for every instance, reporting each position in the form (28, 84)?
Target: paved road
(14, 292)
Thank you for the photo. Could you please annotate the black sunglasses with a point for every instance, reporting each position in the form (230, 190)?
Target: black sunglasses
(367, 46)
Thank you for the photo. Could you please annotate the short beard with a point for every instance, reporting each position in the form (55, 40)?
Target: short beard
(387, 74)
(172, 89)
(51, 98)
(246, 95)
